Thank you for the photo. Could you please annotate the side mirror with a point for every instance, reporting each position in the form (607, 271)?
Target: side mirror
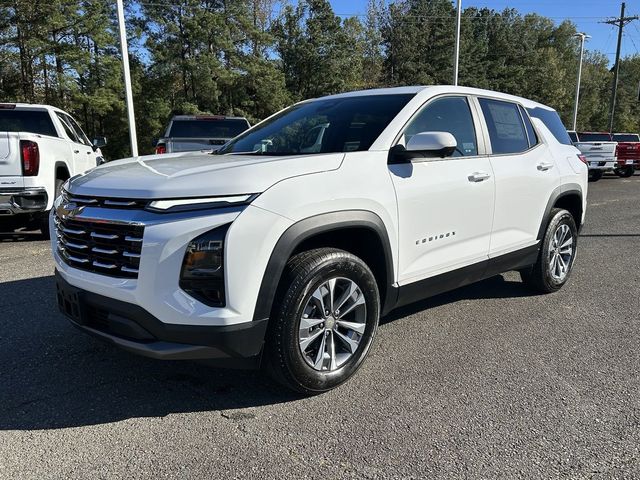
(99, 142)
(425, 145)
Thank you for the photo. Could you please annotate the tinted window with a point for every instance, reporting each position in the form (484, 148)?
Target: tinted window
(626, 137)
(32, 121)
(68, 129)
(573, 136)
(449, 114)
(79, 133)
(594, 137)
(506, 130)
(531, 133)
(347, 124)
(207, 128)
(552, 121)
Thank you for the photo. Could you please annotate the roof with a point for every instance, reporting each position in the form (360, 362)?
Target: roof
(32, 106)
(429, 90)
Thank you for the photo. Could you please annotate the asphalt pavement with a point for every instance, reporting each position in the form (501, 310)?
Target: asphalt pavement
(488, 381)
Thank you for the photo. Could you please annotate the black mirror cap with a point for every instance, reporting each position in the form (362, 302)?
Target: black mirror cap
(399, 154)
(99, 142)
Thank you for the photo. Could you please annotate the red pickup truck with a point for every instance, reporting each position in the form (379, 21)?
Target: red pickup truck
(628, 153)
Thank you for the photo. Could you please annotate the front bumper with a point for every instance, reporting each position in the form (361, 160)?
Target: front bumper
(14, 201)
(134, 329)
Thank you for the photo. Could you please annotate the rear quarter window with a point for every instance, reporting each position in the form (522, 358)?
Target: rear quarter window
(32, 121)
(552, 121)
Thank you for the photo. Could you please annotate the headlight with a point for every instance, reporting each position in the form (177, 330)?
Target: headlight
(202, 274)
(176, 205)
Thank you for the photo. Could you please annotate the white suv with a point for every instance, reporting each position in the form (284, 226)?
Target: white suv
(262, 255)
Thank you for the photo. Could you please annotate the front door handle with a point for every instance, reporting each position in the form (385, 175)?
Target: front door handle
(478, 176)
(543, 166)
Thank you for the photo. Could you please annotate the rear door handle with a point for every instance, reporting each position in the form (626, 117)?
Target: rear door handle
(76, 151)
(543, 167)
(478, 176)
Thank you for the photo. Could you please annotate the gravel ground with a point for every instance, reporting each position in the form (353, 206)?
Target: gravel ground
(488, 381)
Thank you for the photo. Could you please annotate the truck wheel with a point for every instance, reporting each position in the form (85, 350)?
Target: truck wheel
(44, 221)
(324, 320)
(557, 254)
(595, 175)
(626, 171)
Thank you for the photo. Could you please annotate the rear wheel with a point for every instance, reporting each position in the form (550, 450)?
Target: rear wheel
(44, 220)
(324, 321)
(595, 175)
(625, 172)
(557, 254)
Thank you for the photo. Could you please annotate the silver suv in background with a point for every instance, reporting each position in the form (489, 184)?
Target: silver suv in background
(187, 133)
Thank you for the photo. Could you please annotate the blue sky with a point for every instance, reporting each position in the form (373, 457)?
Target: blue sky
(584, 13)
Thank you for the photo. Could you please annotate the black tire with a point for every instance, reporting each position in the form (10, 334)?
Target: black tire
(539, 277)
(44, 220)
(625, 172)
(595, 175)
(303, 275)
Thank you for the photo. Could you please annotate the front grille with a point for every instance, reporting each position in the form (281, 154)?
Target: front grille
(106, 248)
(105, 202)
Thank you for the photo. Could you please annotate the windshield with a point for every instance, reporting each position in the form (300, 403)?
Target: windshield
(208, 128)
(332, 125)
(594, 137)
(626, 137)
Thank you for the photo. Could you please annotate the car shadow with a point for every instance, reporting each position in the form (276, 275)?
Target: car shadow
(53, 376)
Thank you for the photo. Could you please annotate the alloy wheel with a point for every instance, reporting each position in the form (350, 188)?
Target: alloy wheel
(561, 252)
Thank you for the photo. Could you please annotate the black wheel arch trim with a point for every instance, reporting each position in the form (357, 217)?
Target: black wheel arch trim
(559, 192)
(310, 227)
(61, 164)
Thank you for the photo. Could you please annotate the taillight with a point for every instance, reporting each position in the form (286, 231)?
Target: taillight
(160, 149)
(30, 155)
(583, 159)
(616, 154)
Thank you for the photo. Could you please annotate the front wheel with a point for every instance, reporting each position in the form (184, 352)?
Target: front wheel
(557, 254)
(324, 321)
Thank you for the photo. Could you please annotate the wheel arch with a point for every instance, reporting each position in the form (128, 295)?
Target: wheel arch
(62, 171)
(568, 197)
(359, 232)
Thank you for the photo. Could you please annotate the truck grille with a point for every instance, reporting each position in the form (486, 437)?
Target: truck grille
(105, 248)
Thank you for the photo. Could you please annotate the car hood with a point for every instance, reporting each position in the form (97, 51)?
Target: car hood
(196, 174)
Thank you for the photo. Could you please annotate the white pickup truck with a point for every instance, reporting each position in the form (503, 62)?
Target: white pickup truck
(40, 148)
(600, 151)
(190, 133)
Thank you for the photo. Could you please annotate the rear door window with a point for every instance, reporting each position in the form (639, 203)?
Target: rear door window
(531, 133)
(68, 129)
(32, 121)
(506, 128)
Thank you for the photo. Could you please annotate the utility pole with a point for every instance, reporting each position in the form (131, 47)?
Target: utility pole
(127, 79)
(456, 55)
(620, 23)
(583, 37)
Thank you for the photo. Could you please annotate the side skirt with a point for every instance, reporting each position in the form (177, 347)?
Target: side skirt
(445, 282)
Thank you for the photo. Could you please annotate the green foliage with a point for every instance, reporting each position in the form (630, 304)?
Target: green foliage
(253, 57)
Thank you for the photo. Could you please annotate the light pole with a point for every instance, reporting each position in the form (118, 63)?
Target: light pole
(456, 55)
(583, 37)
(127, 79)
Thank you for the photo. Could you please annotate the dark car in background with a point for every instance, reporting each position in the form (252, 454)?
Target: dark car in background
(187, 133)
